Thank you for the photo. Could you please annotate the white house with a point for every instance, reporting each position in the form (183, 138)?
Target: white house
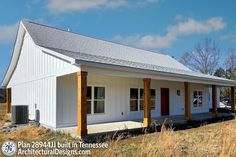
(51, 71)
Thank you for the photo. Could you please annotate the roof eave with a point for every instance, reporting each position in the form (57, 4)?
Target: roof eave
(208, 81)
(15, 55)
(17, 50)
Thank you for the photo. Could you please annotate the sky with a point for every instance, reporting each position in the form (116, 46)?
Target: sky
(166, 26)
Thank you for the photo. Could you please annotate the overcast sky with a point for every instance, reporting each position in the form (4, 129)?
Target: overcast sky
(167, 26)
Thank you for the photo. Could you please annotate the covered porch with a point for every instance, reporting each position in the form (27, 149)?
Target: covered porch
(113, 127)
(121, 119)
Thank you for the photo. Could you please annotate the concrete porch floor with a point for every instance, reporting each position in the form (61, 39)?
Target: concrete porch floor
(104, 127)
(135, 124)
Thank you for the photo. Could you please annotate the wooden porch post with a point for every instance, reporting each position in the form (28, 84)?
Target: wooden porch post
(214, 101)
(233, 99)
(187, 114)
(82, 103)
(147, 102)
(8, 100)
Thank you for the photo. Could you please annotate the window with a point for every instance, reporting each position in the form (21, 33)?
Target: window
(99, 99)
(95, 100)
(133, 99)
(137, 98)
(197, 99)
(153, 99)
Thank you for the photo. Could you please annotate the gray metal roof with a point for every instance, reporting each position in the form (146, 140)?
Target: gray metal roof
(59, 39)
(119, 62)
(94, 50)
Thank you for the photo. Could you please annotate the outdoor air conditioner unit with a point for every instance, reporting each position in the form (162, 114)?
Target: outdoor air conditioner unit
(20, 114)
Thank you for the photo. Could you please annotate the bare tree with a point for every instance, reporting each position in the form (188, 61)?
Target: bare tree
(204, 58)
(230, 63)
(185, 59)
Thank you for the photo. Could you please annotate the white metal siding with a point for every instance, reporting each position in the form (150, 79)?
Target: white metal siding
(67, 100)
(118, 97)
(40, 93)
(34, 81)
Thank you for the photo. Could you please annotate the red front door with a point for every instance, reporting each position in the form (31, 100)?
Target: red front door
(164, 101)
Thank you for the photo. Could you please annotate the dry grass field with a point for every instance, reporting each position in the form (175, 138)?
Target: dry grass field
(217, 139)
(2, 109)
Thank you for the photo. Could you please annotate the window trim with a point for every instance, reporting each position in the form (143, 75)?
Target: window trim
(197, 90)
(92, 100)
(133, 99)
(142, 99)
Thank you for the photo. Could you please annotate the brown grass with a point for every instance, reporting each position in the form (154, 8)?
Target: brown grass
(3, 120)
(34, 133)
(3, 109)
(217, 139)
(31, 133)
(27, 134)
(211, 140)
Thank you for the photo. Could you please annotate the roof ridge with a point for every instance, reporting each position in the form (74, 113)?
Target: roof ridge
(103, 40)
